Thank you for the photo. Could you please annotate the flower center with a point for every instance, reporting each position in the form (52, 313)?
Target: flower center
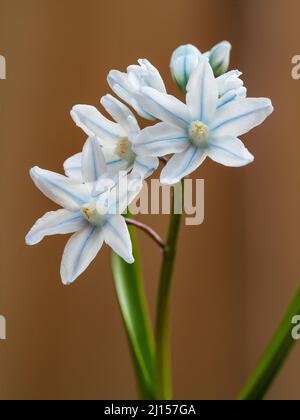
(92, 214)
(124, 150)
(199, 134)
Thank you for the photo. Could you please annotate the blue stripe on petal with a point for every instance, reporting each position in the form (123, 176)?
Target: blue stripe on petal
(74, 197)
(237, 118)
(182, 138)
(81, 251)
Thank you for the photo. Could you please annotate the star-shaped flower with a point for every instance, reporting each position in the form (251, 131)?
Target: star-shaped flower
(116, 138)
(200, 128)
(94, 219)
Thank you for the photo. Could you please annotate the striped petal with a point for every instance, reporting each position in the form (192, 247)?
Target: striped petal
(232, 95)
(79, 252)
(160, 140)
(118, 111)
(165, 107)
(144, 166)
(202, 93)
(230, 151)
(93, 161)
(72, 167)
(89, 119)
(182, 164)
(119, 83)
(116, 235)
(62, 190)
(229, 81)
(55, 223)
(240, 116)
(114, 163)
(116, 201)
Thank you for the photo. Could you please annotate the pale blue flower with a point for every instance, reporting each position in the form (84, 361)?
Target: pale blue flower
(186, 59)
(116, 138)
(94, 219)
(126, 85)
(200, 128)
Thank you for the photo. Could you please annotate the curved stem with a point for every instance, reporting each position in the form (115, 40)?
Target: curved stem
(274, 357)
(148, 230)
(164, 300)
(163, 160)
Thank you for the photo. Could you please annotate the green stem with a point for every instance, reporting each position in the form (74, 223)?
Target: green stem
(132, 300)
(274, 357)
(164, 302)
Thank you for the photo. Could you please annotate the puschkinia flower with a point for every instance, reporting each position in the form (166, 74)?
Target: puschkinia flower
(186, 59)
(116, 138)
(94, 219)
(200, 128)
(126, 85)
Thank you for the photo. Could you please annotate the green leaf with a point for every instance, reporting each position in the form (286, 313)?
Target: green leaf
(274, 357)
(132, 301)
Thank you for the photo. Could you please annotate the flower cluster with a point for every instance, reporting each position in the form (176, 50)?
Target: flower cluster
(101, 181)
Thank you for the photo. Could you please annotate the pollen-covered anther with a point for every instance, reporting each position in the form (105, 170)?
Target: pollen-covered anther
(90, 213)
(199, 133)
(124, 150)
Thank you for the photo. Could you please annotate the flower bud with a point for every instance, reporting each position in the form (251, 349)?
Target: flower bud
(184, 60)
(219, 58)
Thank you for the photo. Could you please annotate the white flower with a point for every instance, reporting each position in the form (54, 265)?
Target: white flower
(126, 85)
(94, 220)
(116, 138)
(186, 59)
(199, 128)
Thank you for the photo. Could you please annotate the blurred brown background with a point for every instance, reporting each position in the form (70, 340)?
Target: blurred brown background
(235, 274)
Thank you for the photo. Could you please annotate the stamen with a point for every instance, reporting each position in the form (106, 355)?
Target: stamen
(199, 134)
(124, 150)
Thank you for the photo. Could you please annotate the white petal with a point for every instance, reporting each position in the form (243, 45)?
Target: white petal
(230, 151)
(121, 196)
(60, 189)
(202, 93)
(55, 223)
(114, 163)
(152, 75)
(89, 119)
(144, 166)
(118, 111)
(232, 95)
(160, 140)
(79, 252)
(72, 167)
(240, 116)
(119, 83)
(182, 164)
(116, 235)
(134, 127)
(166, 108)
(93, 161)
(229, 81)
